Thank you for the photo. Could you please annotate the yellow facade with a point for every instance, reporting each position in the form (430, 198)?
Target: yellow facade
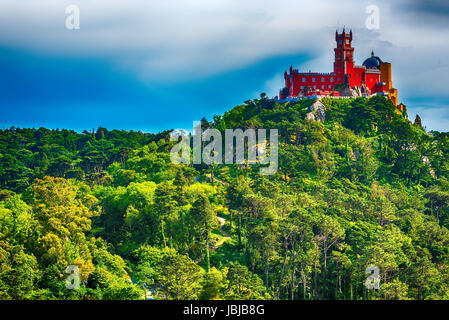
(393, 96)
(385, 76)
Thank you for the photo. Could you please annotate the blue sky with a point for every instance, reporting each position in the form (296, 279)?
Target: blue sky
(86, 93)
(156, 65)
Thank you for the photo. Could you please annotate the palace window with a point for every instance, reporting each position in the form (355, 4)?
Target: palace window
(302, 87)
(322, 79)
(322, 87)
(329, 86)
(313, 79)
(303, 79)
(332, 79)
(314, 87)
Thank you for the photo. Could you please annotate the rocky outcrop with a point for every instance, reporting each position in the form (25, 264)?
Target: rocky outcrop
(354, 92)
(317, 112)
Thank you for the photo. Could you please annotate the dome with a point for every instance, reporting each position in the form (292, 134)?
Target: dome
(372, 62)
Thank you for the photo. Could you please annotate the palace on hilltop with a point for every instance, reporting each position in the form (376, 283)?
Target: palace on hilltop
(372, 77)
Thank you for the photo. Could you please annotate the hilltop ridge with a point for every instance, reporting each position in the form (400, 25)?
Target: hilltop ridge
(362, 186)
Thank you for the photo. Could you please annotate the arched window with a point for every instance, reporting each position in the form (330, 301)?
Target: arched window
(313, 79)
(303, 79)
(322, 79)
(332, 79)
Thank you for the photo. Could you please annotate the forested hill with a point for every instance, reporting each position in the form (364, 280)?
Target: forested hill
(363, 187)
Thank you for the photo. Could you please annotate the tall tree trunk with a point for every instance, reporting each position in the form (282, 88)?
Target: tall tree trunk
(315, 280)
(239, 231)
(266, 272)
(282, 274)
(292, 289)
(304, 283)
(163, 234)
(325, 248)
(230, 222)
(207, 250)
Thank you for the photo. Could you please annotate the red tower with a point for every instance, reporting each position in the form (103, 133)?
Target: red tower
(343, 63)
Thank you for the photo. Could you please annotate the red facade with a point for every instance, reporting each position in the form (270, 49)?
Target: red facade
(309, 83)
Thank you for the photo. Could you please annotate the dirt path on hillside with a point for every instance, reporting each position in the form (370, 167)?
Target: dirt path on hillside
(226, 236)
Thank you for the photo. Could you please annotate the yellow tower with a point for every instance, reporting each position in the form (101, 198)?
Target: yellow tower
(385, 76)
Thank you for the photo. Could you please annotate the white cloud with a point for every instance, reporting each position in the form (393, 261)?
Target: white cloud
(177, 40)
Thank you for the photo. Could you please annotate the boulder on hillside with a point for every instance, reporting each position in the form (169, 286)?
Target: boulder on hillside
(317, 112)
(354, 92)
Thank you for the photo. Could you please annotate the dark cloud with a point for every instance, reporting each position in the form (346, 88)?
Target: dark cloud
(432, 7)
(158, 44)
(433, 12)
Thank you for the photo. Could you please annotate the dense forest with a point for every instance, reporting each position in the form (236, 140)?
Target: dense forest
(364, 187)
